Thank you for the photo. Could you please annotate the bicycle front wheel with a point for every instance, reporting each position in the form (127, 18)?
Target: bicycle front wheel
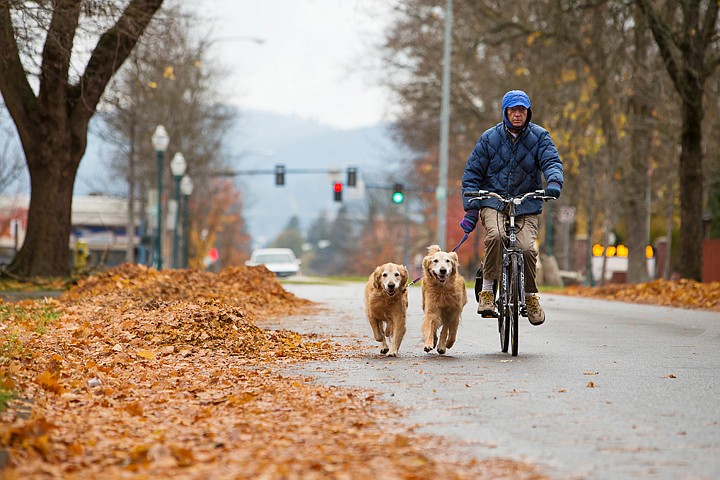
(503, 315)
(514, 306)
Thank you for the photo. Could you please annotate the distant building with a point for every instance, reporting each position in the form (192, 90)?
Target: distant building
(99, 221)
(13, 225)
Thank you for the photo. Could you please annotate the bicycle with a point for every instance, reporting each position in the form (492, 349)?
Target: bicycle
(510, 293)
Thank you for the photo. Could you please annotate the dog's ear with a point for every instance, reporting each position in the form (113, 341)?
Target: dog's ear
(404, 276)
(376, 276)
(426, 263)
(455, 261)
(433, 249)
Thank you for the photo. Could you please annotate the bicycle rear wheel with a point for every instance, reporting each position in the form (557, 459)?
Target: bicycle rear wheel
(503, 315)
(514, 305)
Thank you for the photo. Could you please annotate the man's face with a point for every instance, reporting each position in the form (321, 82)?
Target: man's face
(517, 116)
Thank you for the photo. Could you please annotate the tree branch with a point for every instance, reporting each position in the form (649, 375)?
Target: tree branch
(666, 43)
(708, 30)
(111, 51)
(57, 51)
(14, 86)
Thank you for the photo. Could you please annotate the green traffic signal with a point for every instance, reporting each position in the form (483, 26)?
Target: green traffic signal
(398, 196)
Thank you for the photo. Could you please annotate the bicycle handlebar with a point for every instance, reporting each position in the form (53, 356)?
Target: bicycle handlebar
(483, 194)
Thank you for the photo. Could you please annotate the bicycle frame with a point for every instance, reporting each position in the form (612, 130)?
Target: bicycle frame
(510, 294)
(512, 289)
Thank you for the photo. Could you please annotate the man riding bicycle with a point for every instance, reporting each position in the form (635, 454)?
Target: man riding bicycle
(509, 159)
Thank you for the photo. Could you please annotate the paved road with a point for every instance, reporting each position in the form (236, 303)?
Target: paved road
(654, 410)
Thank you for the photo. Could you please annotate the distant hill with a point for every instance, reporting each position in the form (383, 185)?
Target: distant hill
(268, 139)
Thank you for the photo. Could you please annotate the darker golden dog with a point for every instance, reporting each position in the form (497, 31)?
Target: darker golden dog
(386, 304)
(443, 298)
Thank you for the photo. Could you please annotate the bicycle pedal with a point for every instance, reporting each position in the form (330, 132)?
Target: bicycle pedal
(489, 315)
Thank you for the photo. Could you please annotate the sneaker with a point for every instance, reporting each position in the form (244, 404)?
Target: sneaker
(536, 316)
(486, 304)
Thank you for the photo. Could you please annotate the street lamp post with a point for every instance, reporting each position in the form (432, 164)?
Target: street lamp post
(186, 187)
(160, 141)
(442, 191)
(177, 167)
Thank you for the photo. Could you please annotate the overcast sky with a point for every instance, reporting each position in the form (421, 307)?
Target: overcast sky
(312, 58)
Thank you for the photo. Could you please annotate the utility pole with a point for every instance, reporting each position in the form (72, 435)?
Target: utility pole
(442, 190)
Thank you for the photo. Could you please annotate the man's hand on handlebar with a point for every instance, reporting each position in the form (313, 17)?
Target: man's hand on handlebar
(552, 190)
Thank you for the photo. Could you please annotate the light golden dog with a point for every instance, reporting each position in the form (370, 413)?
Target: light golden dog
(443, 298)
(386, 304)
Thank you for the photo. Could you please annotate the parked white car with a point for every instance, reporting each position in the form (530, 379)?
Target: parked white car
(281, 261)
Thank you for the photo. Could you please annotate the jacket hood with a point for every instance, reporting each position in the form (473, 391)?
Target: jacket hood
(513, 98)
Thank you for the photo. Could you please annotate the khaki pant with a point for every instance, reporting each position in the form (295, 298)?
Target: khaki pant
(527, 231)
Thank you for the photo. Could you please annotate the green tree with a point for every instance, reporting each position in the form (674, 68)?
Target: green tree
(52, 118)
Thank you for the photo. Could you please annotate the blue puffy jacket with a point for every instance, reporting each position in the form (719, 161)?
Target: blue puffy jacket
(507, 167)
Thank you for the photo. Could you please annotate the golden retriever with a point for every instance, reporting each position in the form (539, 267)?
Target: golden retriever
(443, 298)
(386, 304)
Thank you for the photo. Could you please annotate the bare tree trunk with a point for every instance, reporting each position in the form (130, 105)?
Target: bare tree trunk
(636, 175)
(53, 123)
(605, 235)
(691, 191)
(130, 229)
(667, 268)
(49, 214)
(687, 49)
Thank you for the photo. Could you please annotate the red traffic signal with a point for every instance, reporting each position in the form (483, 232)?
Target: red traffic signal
(337, 189)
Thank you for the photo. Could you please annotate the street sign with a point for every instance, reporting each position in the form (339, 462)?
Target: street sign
(566, 214)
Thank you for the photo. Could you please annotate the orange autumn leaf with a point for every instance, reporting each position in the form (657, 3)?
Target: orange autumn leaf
(183, 456)
(75, 449)
(134, 408)
(146, 354)
(7, 383)
(49, 381)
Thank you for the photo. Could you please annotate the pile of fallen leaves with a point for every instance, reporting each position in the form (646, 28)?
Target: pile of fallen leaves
(254, 289)
(671, 293)
(184, 308)
(149, 374)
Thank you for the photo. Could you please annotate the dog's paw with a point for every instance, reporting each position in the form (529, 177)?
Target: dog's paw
(383, 351)
(392, 354)
(428, 349)
(441, 351)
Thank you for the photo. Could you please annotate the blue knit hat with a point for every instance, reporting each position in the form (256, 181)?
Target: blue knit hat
(515, 98)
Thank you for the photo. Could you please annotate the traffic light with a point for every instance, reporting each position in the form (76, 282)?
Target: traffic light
(351, 176)
(337, 190)
(398, 196)
(279, 174)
